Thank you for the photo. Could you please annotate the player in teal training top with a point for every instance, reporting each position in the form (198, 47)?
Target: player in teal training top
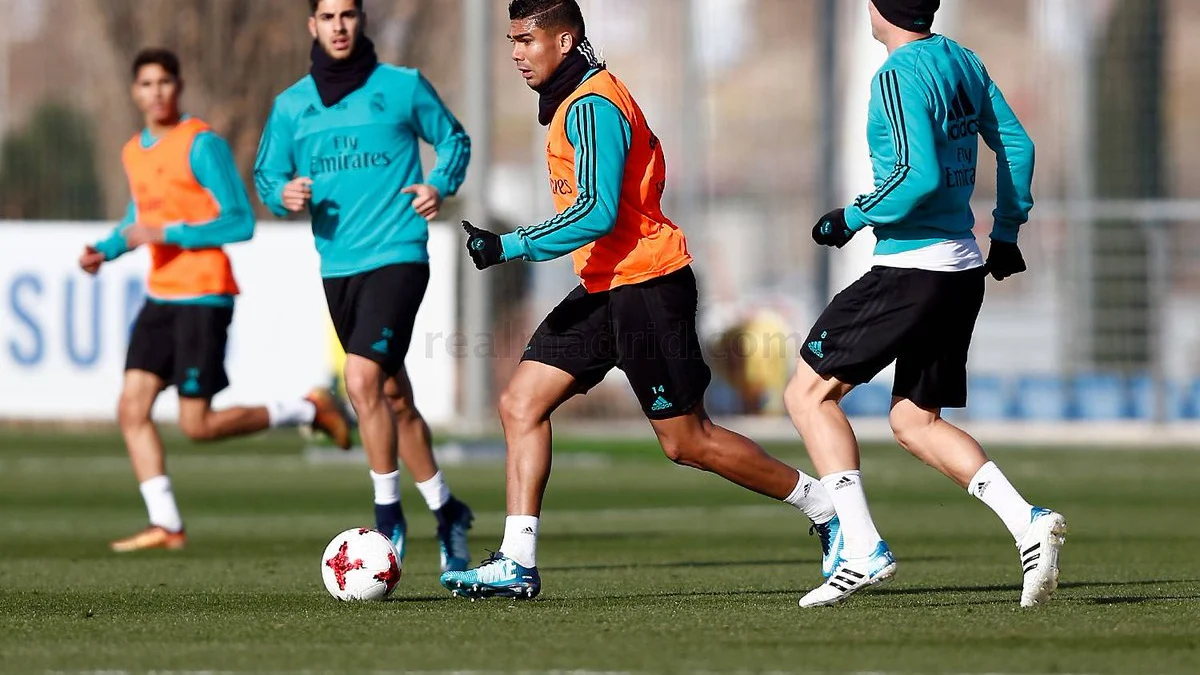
(930, 103)
(343, 143)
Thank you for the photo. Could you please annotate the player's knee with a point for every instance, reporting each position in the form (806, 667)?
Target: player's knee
(197, 429)
(808, 391)
(686, 447)
(132, 412)
(802, 394)
(518, 410)
(404, 410)
(364, 387)
(908, 424)
(685, 452)
(678, 451)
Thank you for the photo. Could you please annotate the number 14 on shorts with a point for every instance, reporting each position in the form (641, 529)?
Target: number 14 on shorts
(660, 402)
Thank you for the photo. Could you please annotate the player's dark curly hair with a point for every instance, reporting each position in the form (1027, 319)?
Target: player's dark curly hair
(312, 5)
(155, 56)
(550, 15)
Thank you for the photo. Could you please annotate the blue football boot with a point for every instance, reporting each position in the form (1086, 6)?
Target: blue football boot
(454, 519)
(498, 576)
(389, 519)
(830, 534)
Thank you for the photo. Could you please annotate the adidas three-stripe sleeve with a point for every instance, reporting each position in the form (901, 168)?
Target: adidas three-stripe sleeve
(274, 166)
(601, 136)
(901, 99)
(437, 126)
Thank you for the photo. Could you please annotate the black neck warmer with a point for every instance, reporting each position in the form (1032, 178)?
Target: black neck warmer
(566, 79)
(337, 79)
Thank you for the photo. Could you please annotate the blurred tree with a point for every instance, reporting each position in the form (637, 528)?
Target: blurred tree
(238, 55)
(48, 170)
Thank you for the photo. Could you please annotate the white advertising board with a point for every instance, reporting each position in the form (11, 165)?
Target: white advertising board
(63, 334)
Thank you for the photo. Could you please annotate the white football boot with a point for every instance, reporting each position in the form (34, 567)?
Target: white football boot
(853, 575)
(1039, 555)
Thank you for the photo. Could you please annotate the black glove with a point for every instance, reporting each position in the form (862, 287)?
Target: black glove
(1004, 260)
(831, 229)
(484, 246)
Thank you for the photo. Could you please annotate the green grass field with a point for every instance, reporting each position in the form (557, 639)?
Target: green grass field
(645, 566)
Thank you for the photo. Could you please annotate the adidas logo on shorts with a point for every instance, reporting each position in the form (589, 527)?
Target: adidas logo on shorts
(660, 405)
(816, 348)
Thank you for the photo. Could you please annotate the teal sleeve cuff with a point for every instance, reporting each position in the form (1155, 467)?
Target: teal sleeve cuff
(855, 219)
(513, 247)
(174, 235)
(274, 204)
(1006, 232)
(441, 184)
(112, 248)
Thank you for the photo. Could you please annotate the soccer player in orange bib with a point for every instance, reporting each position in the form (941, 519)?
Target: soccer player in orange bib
(188, 202)
(635, 310)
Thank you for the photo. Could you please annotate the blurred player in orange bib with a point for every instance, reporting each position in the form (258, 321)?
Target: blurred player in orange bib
(635, 309)
(188, 202)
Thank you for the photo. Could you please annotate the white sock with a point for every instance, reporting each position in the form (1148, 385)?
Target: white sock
(858, 530)
(520, 539)
(387, 487)
(435, 491)
(811, 498)
(993, 489)
(160, 504)
(291, 413)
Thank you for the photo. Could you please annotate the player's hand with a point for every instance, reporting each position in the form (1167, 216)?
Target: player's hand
(136, 235)
(91, 260)
(484, 246)
(427, 201)
(297, 194)
(831, 229)
(1004, 260)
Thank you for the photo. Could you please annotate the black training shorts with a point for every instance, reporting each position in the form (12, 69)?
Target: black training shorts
(182, 344)
(921, 320)
(648, 330)
(374, 312)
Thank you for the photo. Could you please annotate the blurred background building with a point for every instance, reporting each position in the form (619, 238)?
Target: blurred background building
(760, 105)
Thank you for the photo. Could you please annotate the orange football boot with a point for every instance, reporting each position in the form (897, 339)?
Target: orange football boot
(331, 418)
(150, 538)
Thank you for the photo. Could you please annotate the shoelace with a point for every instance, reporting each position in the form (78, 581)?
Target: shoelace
(493, 557)
(823, 533)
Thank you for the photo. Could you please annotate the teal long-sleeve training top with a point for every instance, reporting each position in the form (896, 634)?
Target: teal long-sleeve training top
(931, 101)
(360, 154)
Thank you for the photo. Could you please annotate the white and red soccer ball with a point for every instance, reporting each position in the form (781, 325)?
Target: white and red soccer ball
(360, 564)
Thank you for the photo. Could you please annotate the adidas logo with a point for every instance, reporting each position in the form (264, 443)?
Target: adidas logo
(981, 486)
(817, 348)
(311, 112)
(660, 405)
(192, 385)
(964, 119)
(381, 347)
(528, 531)
(844, 481)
